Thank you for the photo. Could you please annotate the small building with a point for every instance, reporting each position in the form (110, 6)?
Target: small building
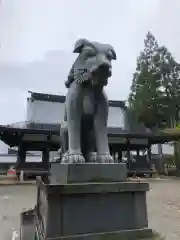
(49, 109)
(41, 131)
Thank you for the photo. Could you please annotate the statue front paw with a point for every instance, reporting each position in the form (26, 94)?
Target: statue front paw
(76, 158)
(105, 158)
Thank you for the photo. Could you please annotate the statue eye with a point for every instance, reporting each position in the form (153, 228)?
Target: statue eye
(89, 54)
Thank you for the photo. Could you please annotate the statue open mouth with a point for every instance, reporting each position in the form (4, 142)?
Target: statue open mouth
(101, 74)
(103, 70)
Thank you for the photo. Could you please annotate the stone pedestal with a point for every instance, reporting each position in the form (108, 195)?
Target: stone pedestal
(90, 206)
(88, 172)
(27, 228)
(92, 211)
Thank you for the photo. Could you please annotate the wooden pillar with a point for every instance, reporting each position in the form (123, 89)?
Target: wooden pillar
(149, 156)
(113, 155)
(110, 149)
(21, 156)
(45, 158)
(137, 153)
(128, 153)
(119, 155)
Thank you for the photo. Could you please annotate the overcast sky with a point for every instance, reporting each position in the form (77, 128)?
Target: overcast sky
(37, 38)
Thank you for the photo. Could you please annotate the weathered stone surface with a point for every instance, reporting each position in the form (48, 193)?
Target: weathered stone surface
(136, 234)
(92, 210)
(27, 229)
(86, 106)
(72, 173)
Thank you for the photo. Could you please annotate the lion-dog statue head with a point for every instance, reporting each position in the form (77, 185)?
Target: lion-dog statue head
(93, 65)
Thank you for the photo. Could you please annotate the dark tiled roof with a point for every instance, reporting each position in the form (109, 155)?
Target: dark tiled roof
(114, 103)
(61, 99)
(47, 97)
(35, 125)
(12, 136)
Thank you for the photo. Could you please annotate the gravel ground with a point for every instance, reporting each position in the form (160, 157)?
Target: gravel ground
(13, 199)
(163, 207)
(163, 202)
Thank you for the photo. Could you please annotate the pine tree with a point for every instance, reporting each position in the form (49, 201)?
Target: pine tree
(170, 80)
(146, 85)
(155, 90)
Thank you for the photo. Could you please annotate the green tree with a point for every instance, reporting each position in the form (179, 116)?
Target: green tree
(170, 74)
(170, 77)
(146, 85)
(155, 90)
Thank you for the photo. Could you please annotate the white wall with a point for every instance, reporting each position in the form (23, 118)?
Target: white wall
(44, 112)
(53, 112)
(3, 147)
(166, 149)
(116, 117)
(13, 159)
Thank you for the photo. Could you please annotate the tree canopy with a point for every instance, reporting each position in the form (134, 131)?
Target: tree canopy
(155, 86)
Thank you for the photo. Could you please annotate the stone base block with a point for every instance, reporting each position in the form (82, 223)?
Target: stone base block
(27, 228)
(73, 173)
(137, 234)
(91, 211)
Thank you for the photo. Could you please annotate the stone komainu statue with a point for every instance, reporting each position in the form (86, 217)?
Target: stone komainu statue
(84, 135)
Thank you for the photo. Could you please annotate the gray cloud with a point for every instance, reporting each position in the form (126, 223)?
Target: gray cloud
(37, 38)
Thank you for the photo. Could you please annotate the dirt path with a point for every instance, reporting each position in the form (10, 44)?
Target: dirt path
(13, 199)
(163, 207)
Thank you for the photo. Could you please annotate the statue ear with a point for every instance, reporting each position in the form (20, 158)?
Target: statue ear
(113, 53)
(111, 49)
(80, 44)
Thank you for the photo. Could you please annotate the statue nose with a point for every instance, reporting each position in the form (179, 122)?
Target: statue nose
(105, 66)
